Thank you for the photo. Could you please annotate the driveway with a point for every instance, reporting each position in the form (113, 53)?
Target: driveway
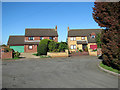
(71, 72)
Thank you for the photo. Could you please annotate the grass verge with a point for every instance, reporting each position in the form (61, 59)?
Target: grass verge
(109, 68)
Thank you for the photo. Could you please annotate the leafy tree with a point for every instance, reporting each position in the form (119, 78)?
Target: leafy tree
(43, 47)
(63, 46)
(107, 15)
(53, 46)
(98, 40)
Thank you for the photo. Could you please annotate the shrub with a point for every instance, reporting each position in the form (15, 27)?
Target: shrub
(81, 50)
(43, 47)
(63, 46)
(86, 49)
(16, 54)
(53, 46)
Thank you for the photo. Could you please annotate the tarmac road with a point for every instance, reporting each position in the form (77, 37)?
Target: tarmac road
(71, 72)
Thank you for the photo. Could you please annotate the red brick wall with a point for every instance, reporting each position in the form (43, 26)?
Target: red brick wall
(38, 38)
(6, 55)
(35, 46)
(34, 49)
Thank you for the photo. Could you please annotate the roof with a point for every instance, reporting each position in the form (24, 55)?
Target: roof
(82, 32)
(16, 40)
(91, 40)
(40, 32)
(81, 42)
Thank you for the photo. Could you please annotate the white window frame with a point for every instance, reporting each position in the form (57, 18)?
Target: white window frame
(72, 38)
(73, 47)
(30, 47)
(30, 37)
(92, 36)
(82, 38)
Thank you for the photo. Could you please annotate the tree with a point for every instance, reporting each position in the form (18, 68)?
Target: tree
(43, 47)
(63, 46)
(98, 40)
(53, 46)
(107, 15)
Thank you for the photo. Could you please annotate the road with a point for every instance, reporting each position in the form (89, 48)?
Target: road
(71, 72)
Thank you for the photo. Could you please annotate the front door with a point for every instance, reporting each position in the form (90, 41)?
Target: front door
(84, 46)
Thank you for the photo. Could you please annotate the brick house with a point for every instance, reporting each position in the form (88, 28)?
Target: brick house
(30, 41)
(33, 37)
(82, 38)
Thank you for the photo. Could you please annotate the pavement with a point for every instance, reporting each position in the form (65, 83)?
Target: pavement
(70, 72)
(28, 55)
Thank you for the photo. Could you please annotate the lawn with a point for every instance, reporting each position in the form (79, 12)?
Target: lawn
(109, 68)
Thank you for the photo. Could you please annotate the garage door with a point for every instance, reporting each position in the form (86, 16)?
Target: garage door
(18, 48)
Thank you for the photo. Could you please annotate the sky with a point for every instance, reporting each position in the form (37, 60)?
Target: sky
(16, 16)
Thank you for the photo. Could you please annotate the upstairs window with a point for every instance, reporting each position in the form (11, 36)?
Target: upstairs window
(51, 38)
(83, 38)
(93, 36)
(73, 38)
(41, 38)
(31, 38)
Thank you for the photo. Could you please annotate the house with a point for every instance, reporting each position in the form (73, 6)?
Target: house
(80, 39)
(31, 39)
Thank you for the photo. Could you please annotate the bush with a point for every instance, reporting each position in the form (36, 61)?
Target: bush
(86, 49)
(53, 46)
(43, 47)
(81, 50)
(63, 46)
(16, 54)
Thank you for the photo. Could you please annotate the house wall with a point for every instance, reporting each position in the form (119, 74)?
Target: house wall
(90, 50)
(26, 49)
(75, 43)
(35, 46)
(38, 38)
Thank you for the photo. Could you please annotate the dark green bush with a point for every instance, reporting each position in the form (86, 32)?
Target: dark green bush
(62, 46)
(81, 50)
(43, 47)
(53, 46)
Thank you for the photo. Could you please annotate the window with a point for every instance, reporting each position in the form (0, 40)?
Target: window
(73, 46)
(41, 38)
(31, 38)
(83, 38)
(93, 36)
(73, 38)
(51, 38)
(30, 47)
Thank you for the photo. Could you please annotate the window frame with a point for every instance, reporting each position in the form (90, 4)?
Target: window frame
(92, 36)
(51, 38)
(29, 47)
(41, 37)
(82, 38)
(72, 38)
(73, 47)
(29, 38)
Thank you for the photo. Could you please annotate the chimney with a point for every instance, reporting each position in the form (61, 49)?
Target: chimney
(68, 28)
(56, 28)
